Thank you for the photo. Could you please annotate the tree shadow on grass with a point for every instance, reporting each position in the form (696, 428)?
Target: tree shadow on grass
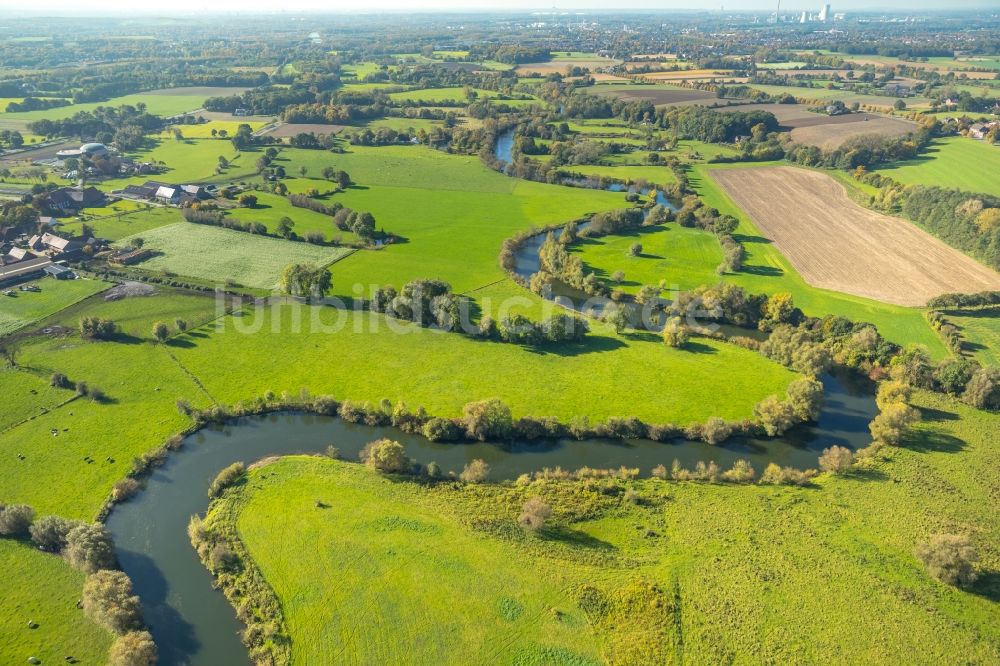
(592, 345)
(745, 238)
(862, 474)
(936, 415)
(766, 271)
(987, 585)
(180, 343)
(934, 442)
(696, 347)
(572, 537)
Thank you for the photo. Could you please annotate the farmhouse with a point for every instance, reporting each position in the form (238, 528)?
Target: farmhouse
(167, 193)
(59, 272)
(51, 245)
(14, 255)
(23, 270)
(72, 199)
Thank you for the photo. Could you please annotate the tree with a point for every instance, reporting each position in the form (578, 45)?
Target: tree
(160, 331)
(836, 459)
(618, 277)
(284, 227)
(89, 548)
(891, 392)
(15, 520)
(534, 513)
(806, 398)
(50, 533)
(305, 280)
(774, 416)
(950, 558)
(108, 600)
(386, 455)
(617, 316)
(181, 324)
(487, 419)
(248, 200)
(892, 423)
(364, 225)
(983, 390)
(635, 249)
(96, 328)
(675, 333)
(716, 430)
(475, 472)
(135, 648)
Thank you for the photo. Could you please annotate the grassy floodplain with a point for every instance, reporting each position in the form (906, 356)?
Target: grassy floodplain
(27, 307)
(820, 562)
(164, 102)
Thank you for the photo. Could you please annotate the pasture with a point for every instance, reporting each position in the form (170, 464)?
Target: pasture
(659, 175)
(26, 307)
(836, 244)
(957, 162)
(204, 130)
(438, 95)
(981, 331)
(222, 255)
(561, 61)
(654, 564)
(163, 102)
(284, 130)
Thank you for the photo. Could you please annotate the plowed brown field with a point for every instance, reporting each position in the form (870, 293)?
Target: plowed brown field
(836, 244)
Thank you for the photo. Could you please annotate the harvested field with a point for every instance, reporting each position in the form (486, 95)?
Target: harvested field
(833, 134)
(560, 66)
(692, 74)
(836, 244)
(291, 129)
(228, 117)
(658, 95)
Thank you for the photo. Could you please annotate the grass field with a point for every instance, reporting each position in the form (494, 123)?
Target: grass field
(204, 130)
(432, 95)
(659, 175)
(216, 254)
(768, 271)
(981, 330)
(681, 577)
(26, 395)
(164, 102)
(40, 587)
(956, 162)
(114, 227)
(26, 307)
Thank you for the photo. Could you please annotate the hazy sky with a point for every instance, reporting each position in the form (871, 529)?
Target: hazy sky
(172, 6)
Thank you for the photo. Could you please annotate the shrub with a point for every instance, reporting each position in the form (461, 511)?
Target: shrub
(440, 430)
(983, 390)
(160, 331)
(892, 423)
(108, 600)
(534, 514)
(635, 249)
(716, 430)
(135, 648)
(675, 333)
(124, 489)
(226, 478)
(386, 455)
(659, 472)
(890, 392)
(222, 558)
(805, 397)
(836, 459)
(89, 548)
(741, 472)
(950, 558)
(789, 476)
(96, 328)
(487, 419)
(433, 470)
(49, 533)
(774, 416)
(59, 380)
(15, 519)
(475, 472)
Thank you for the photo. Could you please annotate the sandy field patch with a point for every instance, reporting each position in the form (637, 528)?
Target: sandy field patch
(836, 244)
(291, 129)
(832, 135)
(559, 66)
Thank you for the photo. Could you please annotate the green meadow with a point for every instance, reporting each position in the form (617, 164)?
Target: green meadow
(659, 175)
(675, 576)
(165, 102)
(26, 307)
(981, 331)
(956, 162)
(223, 255)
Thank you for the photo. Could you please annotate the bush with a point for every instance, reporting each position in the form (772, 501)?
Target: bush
(774, 416)
(15, 520)
(440, 430)
(226, 478)
(386, 455)
(534, 514)
(49, 533)
(487, 419)
(675, 333)
(108, 600)
(891, 392)
(136, 648)
(124, 489)
(716, 430)
(96, 328)
(160, 331)
(475, 472)
(805, 396)
(892, 423)
(950, 558)
(741, 472)
(983, 390)
(789, 476)
(836, 459)
(89, 548)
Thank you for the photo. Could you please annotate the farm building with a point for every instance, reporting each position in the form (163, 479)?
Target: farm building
(24, 270)
(59, 272)
(53, 246)
(71, 199)
(86, 150)
(175, 195)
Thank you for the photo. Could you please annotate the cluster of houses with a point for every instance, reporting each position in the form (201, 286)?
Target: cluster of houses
(980, 130)
(42, 254)
(68, 200)
(166, 193)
